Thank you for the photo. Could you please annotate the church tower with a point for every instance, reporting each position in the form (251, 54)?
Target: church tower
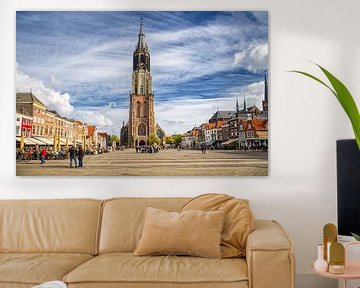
(265, 101)
(141, 114)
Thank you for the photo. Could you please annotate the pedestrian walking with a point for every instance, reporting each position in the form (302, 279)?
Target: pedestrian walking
(43, 155)
(203, 149)
(80, 156)
(72, 155)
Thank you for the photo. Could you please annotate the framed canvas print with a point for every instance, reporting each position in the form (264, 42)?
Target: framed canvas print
(150, 93)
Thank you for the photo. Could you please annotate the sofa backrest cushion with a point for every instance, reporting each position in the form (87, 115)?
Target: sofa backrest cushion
(238, 224)
(64, 226)
(123, 220)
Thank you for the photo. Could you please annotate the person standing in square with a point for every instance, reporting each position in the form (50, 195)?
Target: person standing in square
(72, 154)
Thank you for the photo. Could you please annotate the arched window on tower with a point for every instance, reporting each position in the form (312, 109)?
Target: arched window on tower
(142, 129)
(144, 109)
(138, 108)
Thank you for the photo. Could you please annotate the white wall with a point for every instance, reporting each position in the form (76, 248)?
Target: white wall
(305, 119)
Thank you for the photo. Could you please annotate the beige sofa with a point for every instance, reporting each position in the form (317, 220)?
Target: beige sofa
(89, 243)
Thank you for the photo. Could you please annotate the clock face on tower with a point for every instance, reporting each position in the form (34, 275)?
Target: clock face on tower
(141, 65)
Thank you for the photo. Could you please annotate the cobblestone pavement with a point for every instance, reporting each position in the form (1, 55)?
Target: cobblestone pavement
(166, 163)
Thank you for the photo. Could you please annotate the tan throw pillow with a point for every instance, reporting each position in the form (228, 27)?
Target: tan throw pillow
(196, 233)
(239, 220)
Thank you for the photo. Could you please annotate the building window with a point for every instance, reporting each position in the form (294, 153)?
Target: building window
(141, 129)
(141, 90)
(144, 109)
(138, 109)
(17, 130)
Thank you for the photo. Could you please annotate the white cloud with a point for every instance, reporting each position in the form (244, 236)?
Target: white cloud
(253, 59)
(190, 53)
(51, 98)
(254, 94)
(60, 102)
(94, 118)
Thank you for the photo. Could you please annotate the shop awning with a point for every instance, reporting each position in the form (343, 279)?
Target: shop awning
(257, 138)
(45, 141)
(37, 141)
(27, 141)
(262, 134)
(230, 141)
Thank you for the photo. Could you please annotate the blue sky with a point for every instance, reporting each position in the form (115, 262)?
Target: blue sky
(80, 63)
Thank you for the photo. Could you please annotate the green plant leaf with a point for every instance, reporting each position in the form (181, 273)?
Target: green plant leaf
(346, 100)
(356, 236)
(344, 97)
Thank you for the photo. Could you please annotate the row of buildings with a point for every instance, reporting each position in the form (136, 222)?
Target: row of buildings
(38, 125)
(245, 128)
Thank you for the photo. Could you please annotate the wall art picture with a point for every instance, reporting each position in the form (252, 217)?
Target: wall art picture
(143, 93)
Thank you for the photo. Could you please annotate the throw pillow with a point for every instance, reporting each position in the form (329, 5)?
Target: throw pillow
(196, 233)
(238, 223)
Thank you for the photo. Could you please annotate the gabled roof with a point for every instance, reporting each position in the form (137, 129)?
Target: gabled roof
(253, 108)
(158, 127)
(221, 115)
(91, 130)
(217, 124)
(24, 111)
(28, 98)
(195, 133)
(260, 124)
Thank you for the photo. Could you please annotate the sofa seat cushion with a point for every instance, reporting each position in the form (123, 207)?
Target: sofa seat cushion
(127, 268)
(36, 268)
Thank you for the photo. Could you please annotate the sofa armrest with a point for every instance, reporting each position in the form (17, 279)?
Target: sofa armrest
(269, 256)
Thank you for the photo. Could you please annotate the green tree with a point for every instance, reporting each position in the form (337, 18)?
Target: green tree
(153, 139)
(169, 140)
(114, 138)
(177, 139)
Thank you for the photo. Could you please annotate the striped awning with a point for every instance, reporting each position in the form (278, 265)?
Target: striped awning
(27, 141)
(230, 141)
(44, 140)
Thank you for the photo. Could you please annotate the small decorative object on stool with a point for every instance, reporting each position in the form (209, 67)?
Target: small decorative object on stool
(337, 259)
(320, 264)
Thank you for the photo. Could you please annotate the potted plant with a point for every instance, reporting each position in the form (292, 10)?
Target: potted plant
(345, 99)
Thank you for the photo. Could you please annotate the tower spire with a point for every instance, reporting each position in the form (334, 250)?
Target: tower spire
(266, 95)
(266, 89)
(141, 42)
(237, 104)
(245, 109)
